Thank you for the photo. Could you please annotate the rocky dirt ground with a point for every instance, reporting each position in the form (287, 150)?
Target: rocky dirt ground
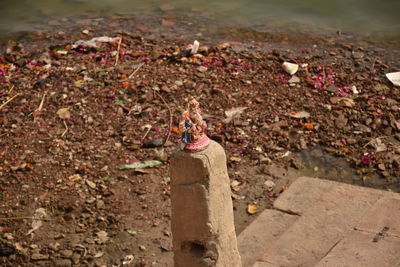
(72, 114)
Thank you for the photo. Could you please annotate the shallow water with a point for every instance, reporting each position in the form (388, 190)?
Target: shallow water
(361, 16)
(318, 163)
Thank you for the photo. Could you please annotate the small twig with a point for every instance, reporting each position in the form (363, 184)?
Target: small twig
(380, 137)
(66, 129)
(119, 47)
(84, 249)
(11, 89)
(16, 218)
(41, 102)
(39, 109)
(136, 70)
(8, 101)
(373, 66)
(170, 117)
(146, 133)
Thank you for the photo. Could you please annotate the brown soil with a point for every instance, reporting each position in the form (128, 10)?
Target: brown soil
(68, 162)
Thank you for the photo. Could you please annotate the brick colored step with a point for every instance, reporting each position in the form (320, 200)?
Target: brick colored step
(322, 224)
(301, 194)
(358, 249)
(385, 213)
(262, 233)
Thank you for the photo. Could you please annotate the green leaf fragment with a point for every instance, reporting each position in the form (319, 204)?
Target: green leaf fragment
(141, 165)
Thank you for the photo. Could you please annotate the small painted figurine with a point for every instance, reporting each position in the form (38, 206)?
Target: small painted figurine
(193, 127)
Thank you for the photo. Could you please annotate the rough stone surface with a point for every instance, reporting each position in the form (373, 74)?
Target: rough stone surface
(202, 211)
(302, 194)
(385, 213)
(358, 250)
(262, 233)
(62, 262)
(264, 264)
(321, 226)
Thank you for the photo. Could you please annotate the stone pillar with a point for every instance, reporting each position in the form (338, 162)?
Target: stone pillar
(202, 213)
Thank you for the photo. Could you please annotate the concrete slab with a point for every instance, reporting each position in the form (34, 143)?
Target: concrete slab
(384, 214)
(359, 250)
(322, 224)
(262, 233)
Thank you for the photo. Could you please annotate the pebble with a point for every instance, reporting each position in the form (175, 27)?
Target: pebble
(39, 257)
(294, 79)
(91, 184)
(178, 83)
(62, 262)
(202, 69)
(381, 167)
(66, 253)
(76, 258)
(100, 204)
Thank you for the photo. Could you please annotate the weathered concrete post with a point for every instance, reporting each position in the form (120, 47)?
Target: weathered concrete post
(202, 214)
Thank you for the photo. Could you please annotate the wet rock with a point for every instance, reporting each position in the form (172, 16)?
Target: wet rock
(296, 163)
(153, 143)
(6, 251)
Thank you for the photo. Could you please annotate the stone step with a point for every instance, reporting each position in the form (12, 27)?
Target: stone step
(318, 217)
(320, 227)
(267, 228)
(262, 233)
(362, 249)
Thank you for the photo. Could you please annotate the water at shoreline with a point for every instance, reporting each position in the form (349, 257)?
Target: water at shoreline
(359, 16)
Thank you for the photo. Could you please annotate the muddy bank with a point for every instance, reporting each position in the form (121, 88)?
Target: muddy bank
(72, 113)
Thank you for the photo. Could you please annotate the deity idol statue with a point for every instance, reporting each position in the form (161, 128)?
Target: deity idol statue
(193, 127)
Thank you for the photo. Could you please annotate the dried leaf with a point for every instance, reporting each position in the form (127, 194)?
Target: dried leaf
(131, 232)
(252, 209)
(38, 216)
(128, 259)
(300, 114)
(5, 229)
(75, 177)
(99, 254)
(231, 113)
(270, 185)
(78, 83)
(378, 145)
(347, 102)
(64, 113)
